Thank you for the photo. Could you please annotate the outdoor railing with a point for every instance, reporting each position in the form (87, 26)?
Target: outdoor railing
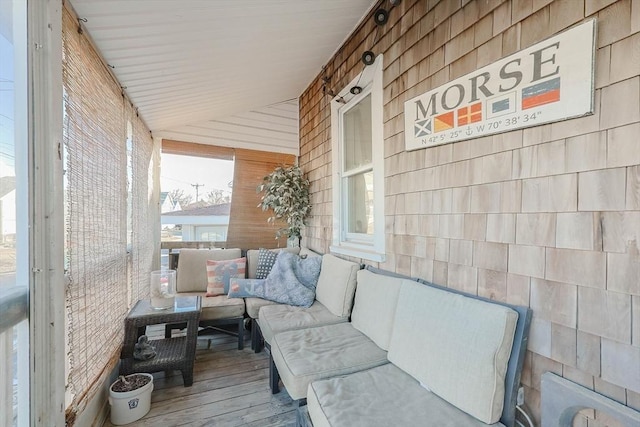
(192, 245)
(13, 306)
(14, 302)
(171, 249)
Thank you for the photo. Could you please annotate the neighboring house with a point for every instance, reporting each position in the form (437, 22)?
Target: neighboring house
(207, 223)
(168, 203)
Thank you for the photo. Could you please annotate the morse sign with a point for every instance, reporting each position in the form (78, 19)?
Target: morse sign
(550, 81)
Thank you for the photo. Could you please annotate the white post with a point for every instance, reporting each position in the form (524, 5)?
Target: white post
(47, 305)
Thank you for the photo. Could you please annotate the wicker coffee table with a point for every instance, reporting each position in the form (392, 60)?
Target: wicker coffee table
(177, 353)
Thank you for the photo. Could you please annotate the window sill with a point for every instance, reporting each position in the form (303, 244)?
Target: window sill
(357, 252)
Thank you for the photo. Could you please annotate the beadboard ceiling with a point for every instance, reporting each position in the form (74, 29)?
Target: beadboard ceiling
(187, 63)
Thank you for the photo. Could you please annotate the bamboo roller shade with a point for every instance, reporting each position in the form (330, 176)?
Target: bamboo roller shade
(103, 278)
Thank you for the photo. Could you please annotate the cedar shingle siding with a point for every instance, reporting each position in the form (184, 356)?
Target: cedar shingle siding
(547, 216)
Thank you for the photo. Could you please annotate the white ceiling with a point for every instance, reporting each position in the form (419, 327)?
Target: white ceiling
(192, 61)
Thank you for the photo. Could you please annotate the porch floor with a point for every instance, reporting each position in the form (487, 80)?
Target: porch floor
(230, 388)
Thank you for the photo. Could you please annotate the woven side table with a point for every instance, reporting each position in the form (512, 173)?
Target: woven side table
(171, 353)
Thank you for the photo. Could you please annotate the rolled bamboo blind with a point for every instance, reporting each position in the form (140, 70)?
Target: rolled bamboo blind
(103, 279)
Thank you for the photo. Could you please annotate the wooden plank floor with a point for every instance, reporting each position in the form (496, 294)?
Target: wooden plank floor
(230, 388)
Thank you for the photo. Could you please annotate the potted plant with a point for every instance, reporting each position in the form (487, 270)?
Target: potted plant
(130, 398)
(286, 193)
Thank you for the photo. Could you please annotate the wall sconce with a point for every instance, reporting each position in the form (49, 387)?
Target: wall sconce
(381, 16)
(368, 57)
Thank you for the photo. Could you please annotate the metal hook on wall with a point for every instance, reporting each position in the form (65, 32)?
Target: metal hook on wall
(80, 21)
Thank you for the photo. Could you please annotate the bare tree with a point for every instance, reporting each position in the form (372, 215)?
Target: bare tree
(218, 197)
(180, 197)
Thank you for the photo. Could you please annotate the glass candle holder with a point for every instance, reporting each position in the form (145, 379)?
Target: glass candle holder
(163, 289)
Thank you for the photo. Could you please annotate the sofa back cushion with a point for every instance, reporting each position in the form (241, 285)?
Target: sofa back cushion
(456, 346)
(192, 267)
(306, 252)
(252, 259)
(374, 307)
(336, 284)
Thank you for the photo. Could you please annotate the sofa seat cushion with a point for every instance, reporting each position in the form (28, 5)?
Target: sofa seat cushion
(306, 355)
(379, 397)
(254, 304)
(280, 318)
(463, 347)
(218, 307)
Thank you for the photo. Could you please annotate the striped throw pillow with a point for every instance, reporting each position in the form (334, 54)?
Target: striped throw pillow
(220, 272)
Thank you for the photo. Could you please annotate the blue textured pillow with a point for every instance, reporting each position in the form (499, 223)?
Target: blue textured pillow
(292, 281)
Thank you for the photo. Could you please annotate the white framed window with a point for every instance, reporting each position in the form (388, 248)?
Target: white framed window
(358, 167)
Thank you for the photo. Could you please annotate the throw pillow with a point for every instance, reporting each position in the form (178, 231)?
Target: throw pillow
(266, 259)
(220, 272)
(293, 280)
(245, 288)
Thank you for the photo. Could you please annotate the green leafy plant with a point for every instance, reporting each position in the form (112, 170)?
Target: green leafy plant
(286, 193)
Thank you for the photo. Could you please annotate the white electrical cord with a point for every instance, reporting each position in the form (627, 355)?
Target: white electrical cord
(526, 416)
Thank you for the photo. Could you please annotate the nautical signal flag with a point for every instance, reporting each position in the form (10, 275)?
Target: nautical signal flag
(501, 105)
(422, 128)
(541, 93)
(444, 121)
(470, 114)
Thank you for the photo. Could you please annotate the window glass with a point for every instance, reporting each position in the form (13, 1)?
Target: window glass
(360, 203)
(14, 231)
(357, 135)
(129, 185)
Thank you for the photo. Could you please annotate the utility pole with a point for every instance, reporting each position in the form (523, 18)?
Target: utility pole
(197, 186)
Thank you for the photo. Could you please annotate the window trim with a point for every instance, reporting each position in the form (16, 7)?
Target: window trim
(374, 248)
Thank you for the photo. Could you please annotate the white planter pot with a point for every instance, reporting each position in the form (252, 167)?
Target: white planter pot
(130, 406)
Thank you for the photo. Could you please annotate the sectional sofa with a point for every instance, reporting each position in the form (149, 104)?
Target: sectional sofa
(401, 352)
(334, 295)
(413, 354)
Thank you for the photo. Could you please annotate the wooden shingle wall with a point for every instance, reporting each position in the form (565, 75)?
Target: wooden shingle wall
(547, 216)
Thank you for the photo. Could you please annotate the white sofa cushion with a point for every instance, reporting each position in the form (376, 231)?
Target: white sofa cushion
(218, 307)
(375, 304)
(462, 350)
(306, 252)
(280, 318)
(336, 284)
(380, 397)
(254, 305)
(192, 267)
(309, 354)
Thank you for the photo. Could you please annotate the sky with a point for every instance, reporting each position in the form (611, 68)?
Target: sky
(6, 105)
(180, 172)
